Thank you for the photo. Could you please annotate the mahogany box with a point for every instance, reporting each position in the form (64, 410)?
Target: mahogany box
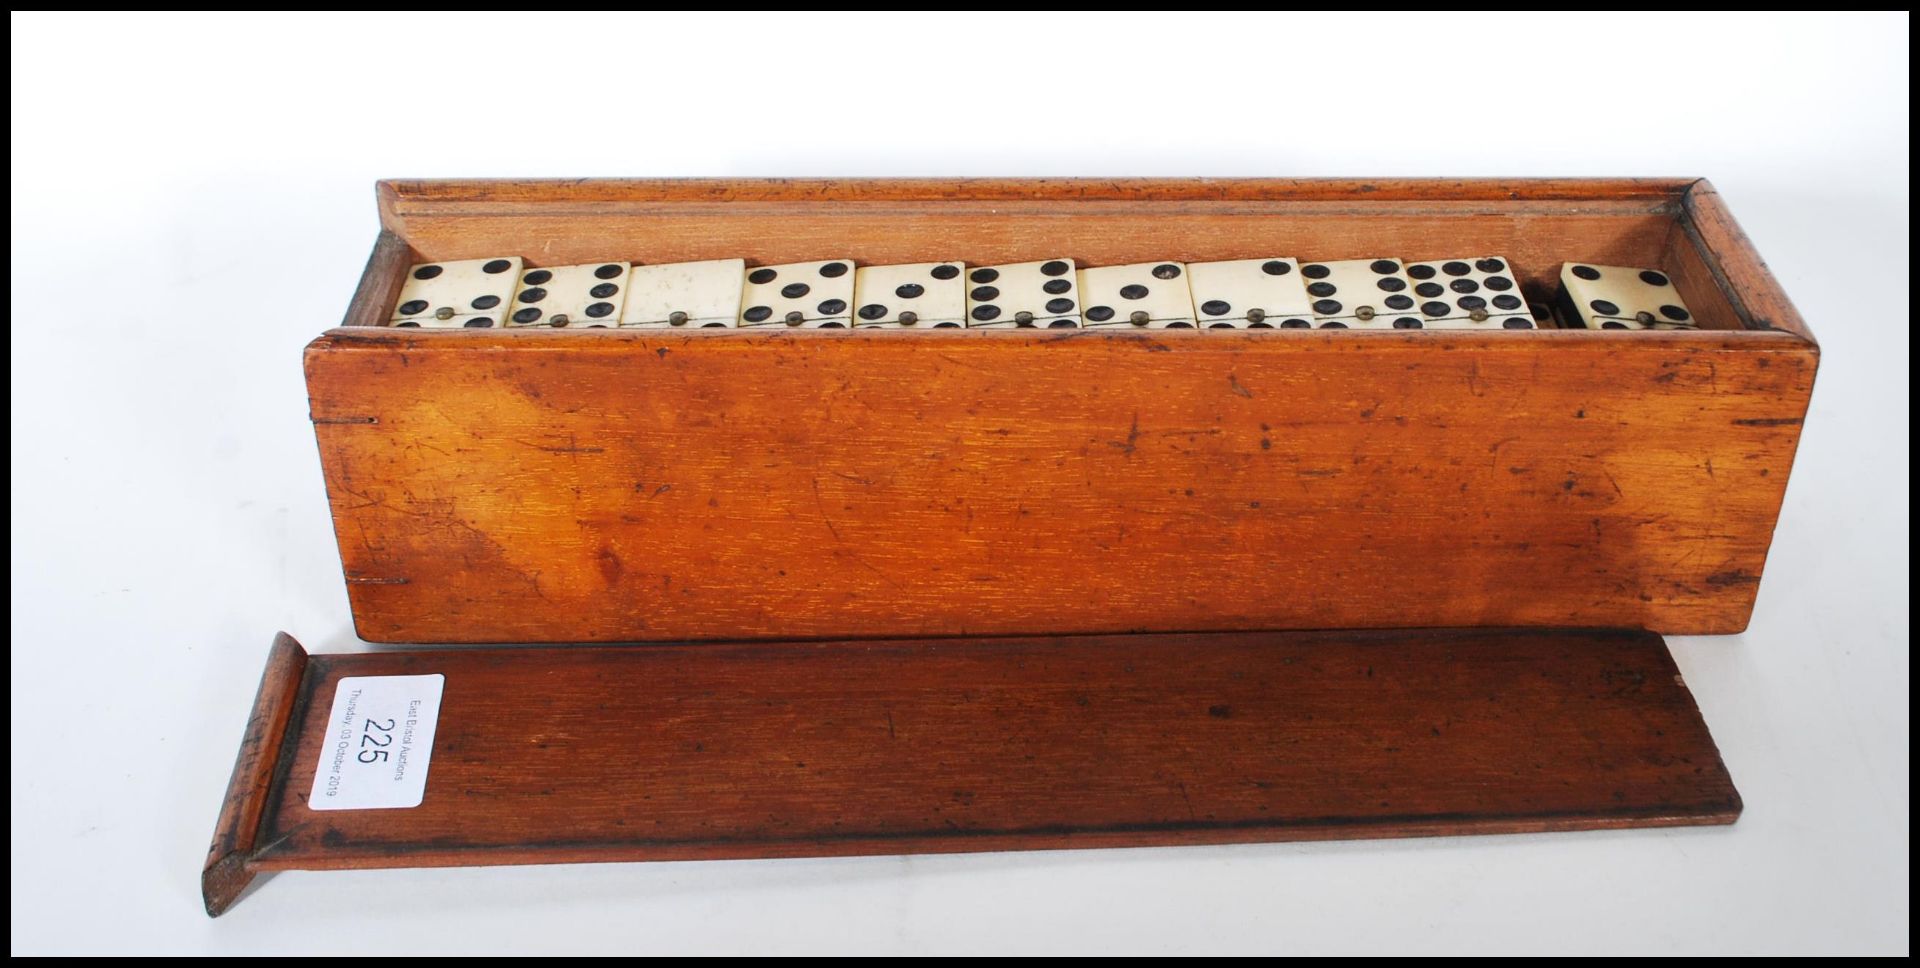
(605, 486)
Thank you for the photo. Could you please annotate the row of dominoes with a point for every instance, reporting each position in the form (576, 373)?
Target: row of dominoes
(1279, 293)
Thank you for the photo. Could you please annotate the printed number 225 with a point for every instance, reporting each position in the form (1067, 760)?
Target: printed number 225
(373, 736)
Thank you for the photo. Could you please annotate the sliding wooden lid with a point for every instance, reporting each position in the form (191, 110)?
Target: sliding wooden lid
(560, 754)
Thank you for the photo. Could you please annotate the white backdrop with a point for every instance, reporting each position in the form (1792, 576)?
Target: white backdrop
(192, 201)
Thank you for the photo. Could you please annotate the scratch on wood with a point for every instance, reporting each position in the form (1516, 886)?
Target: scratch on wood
(568, 449)
(1133, 437)
(822, 505)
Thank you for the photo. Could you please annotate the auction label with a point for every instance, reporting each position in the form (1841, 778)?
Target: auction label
(379, 739)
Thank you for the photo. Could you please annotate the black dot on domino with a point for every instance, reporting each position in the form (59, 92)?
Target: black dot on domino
(833, 270)
(538, 277)
(911, 290)
(1056, 267)
(1498, 283)
(604, 290)
(533, 295)
(1471, 303)
(408, 324)
(1420, 272)
(1216, 307)
(1464, 285)
(1399, 302)
(478, 322)
(984, 275)
(761, 277)
(1384, 266)
(833, 307)
(757, 314)
(1296, 324)
(427, 272)
(1059, 305)
(873, 311)
(1653, 278)
(599, 309)
(1055, 287)
(1610, 324)
(526, 315)
(831, 325)
(1100, 314)
(1390, 284)
(1428, 290)
(1230, 326)
(484, 302)
(609, 271)
(1515, 322)
(414, 307)
(1166, 270)
(949, 324)
(943, 273)
(794, 290)
(1506, 302)
(1315, 271)
(1408, 322)
(1455, 268)
(1326, 307)
(1179, 325)
(1588, 273)
(985, 313)
(1321, 289)
(1134, 291)
(1434, 309)
(1490, 265)
(1275, 267)
(1604, 307)
(1061, 324)
(984, 294)
(494, 268)
(1675, 313)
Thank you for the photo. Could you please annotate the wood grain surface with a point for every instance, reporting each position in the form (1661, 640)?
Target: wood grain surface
(544, 487)
(557, 755)
(275, 709)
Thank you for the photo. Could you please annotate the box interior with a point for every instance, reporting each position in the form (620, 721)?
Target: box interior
(1537, 236)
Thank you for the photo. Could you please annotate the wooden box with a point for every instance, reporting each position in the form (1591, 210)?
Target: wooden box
(718, 484)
